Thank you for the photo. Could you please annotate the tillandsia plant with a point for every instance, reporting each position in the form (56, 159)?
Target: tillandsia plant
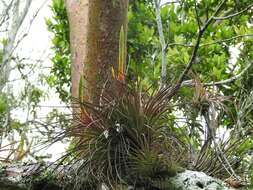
(125, 139)
(219, 148)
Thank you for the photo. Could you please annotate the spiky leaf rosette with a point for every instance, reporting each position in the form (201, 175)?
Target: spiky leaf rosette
(124, 139)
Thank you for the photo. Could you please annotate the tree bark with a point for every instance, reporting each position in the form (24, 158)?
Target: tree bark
(94, 37)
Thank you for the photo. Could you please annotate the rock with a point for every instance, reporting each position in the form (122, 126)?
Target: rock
(193, 180)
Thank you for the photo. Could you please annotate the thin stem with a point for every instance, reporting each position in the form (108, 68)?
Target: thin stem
(233, 15)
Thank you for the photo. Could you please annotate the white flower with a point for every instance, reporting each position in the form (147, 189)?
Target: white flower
(106, 133)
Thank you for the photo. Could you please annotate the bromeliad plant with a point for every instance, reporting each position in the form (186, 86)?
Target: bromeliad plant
(125, 139)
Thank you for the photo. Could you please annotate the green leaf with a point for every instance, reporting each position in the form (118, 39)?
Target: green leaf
(3, 105)
(81, 89)
(217, 73)
(122, 52)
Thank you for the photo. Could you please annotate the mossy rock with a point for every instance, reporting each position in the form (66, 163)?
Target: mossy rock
(193, 180)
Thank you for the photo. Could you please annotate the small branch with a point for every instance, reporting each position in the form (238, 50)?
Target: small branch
(5, 12)
(210, 43)
(17, 20)
(230, 79)
(226, 40)
(191, 61)
(222, 82)
(4, 3)
(169, 3)
(178, 44)
(233, 15)
(196, 47)
(197, 14)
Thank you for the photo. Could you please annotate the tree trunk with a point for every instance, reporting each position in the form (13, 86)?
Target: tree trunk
(94, 37)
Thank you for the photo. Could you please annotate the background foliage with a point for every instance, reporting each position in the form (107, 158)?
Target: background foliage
(213, 107)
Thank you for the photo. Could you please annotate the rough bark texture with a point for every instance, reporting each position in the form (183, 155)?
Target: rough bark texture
(94, 39)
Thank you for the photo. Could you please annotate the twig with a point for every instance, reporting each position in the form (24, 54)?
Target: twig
(222, 82)
(227, 39)
(210, 43)
(230, 79)
(233, 15)
(5, 12)
(17, 21)
(169, 3)
(178, 44)
(197, 14)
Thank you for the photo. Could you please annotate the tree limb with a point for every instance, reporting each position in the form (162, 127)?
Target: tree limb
(196, 47)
